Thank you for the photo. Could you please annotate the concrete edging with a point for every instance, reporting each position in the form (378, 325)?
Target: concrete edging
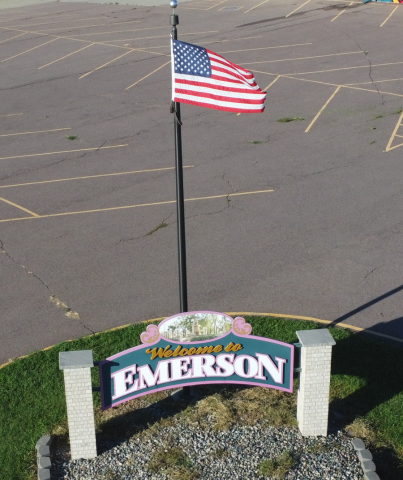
(365, 456)
(43, 456)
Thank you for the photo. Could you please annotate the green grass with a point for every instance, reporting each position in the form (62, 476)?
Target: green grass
(278, 467)
(290, 119)
(366, 388)
(174, 463)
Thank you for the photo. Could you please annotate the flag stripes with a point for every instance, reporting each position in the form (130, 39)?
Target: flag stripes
(204, 78)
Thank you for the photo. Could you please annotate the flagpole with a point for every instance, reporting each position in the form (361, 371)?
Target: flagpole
(180, 201)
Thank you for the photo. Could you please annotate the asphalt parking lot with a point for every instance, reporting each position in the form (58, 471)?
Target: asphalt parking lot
(302, 218)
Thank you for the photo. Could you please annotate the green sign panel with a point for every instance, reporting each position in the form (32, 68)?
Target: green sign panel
(195, 348)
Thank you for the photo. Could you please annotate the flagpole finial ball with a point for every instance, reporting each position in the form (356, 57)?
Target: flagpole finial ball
(173, 3)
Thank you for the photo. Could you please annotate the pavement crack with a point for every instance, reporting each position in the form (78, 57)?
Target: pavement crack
(22, 266)
(52, 297)
(229, 183)
(369, 273)
(228, 205)
(163, 224)
(366, 53)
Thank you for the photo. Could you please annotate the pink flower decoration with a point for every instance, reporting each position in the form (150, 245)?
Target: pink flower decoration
(151, 335)
(241, 327)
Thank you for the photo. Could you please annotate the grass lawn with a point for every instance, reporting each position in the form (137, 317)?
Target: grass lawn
(366, 390)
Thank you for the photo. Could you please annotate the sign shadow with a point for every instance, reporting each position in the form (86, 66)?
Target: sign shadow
(375, 368)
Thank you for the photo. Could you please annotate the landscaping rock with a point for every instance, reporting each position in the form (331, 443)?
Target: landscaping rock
(368, 466)
(371, 476)
(45, 440)
(44, 462)
(236, 454)
(364, 455)
(44, 474)
(358, 444)
(43, 450)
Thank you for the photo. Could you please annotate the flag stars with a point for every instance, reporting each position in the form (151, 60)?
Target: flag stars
(191, 59)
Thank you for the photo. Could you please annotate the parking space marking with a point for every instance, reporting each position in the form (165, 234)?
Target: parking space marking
(15, 36)
(272, 83)
(105, 64)
(68, 38)
(227, 195)
(322, 109)
(64, 151)
(203, 5)
(53, 23)
(28, 31)
(35, 215)
(346, 68)
(156, 70)
(256, 6)
(286, 75)
(72, 28)
(374, 91)
(112, 33)
(216, 5)
(62, 58)
(312, 81)
(377, 81)
(265, 48)
(207, 43)
(345, 1)
(159, 36)
(394, 134)
(92, 176)
(87, 26)
(30, 50)
(12, 115)
(106, 42)
(296, 10)
(304, 58)
(393, 11)
(337, 16)
(38, 131)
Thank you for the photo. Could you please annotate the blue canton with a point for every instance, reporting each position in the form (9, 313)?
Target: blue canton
(191, 60)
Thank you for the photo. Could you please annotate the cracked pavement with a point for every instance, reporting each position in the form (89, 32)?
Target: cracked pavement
(327, 241)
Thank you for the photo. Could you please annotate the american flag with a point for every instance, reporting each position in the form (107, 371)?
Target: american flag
(204, 78)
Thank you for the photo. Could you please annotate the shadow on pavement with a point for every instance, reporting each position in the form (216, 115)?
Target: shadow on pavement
(377, 367)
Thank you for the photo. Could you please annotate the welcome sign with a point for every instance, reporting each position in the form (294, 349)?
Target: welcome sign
(195, 348)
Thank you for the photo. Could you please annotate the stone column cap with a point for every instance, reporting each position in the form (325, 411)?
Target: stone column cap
(78, 359)
(316, 338)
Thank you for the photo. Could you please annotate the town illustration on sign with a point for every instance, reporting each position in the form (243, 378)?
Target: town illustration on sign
(195, 348)
(196, 326)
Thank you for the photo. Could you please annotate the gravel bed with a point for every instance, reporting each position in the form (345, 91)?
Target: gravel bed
(234, 454)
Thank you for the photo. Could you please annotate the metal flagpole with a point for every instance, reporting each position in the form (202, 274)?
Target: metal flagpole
(180, 201)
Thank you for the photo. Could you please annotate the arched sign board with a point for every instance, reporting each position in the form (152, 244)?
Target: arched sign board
(195, 348)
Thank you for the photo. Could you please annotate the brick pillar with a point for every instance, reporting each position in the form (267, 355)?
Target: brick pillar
(80, 409)
(314, 381)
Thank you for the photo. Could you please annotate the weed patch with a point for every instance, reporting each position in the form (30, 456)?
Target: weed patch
(278, 467)
(290, 119)
(174, 463)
